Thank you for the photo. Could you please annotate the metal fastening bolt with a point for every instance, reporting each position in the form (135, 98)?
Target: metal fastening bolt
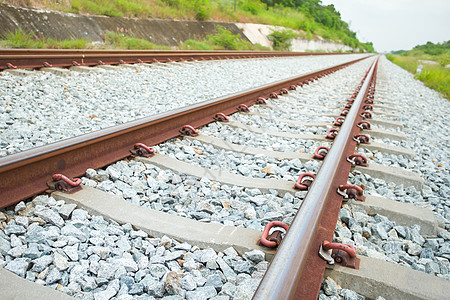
(274, 239)
(303, 184)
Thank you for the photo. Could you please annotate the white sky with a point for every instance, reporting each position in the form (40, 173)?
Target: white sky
(396, 24)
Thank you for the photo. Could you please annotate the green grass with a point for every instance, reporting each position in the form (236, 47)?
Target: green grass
(120, 41)
(436, 77)
(309, 16)
(21, 39)
(222, 40)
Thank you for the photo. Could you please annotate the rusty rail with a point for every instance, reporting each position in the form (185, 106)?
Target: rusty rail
(32, 168)
(38, 58)
(296, 271)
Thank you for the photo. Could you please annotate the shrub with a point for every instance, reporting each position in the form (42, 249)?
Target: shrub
(250, 7)
(282, 39)
(22, 39)
(225, 39)
(120, 41)
(194, 45)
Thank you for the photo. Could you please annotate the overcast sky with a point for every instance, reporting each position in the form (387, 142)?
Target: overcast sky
(396, 24)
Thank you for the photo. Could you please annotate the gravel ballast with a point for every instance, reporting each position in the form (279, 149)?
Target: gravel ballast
(65, 248)
(423, 112)
(42, 108)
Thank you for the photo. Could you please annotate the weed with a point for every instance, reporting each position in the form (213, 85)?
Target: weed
(121, 41)
(308, 15)
(433, 76)
(194, 45)
(282, 39)
(223, 39)
(22, 39)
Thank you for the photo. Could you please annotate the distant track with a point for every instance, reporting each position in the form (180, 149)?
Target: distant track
(40, 58)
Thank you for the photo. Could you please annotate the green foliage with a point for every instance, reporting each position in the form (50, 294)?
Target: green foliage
(121, 41)
(282, 39)
(434, 76)
(67, 44)
(26, 40)
(112, 8)
(195, 45)
(250, 7)
(434, 49)
(21, 39)
(224, 39)
(437, 78)
(310, 16)
(200, 8)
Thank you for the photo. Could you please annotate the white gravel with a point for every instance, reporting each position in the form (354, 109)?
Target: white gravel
(422, 110)
(44, 107)
(424, 114)
(62, 247)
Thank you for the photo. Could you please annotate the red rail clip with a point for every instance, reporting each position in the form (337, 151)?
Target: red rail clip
(351, 191)
(11, 66)
(364, 125)
(293, 87)
(284, 91)
(75, 63)
(189, 130)
(321, 152)
(243, 108)
(63, 183)
(368, 107)
(358, 160)
(342, 254)
(261, 100)
(344, 112)
(361, 139)
(351, 251)
(143, 150)
(221, 117)
(100, 62)
(332, 133)
(275, 238)
(339, 121)
(303, 184)
(366, 115)
(273, 95)
(47, 64)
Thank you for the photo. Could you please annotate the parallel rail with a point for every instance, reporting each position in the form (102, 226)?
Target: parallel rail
(26, 173)
(37, 58)
(296, 271)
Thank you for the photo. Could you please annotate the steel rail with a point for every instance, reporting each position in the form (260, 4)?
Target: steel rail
(296, 271)
(25, 174)
(38, 58)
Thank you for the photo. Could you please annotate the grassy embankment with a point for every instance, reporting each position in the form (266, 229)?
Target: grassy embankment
(308, 16)
(224, 39)
(434, 75)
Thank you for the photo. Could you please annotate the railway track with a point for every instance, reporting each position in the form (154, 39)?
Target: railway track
(261, 187)
(48, 58)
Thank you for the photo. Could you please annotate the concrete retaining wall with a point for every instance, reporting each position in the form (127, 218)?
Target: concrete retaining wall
(257, 33)
(58, 25)
(63, 26)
